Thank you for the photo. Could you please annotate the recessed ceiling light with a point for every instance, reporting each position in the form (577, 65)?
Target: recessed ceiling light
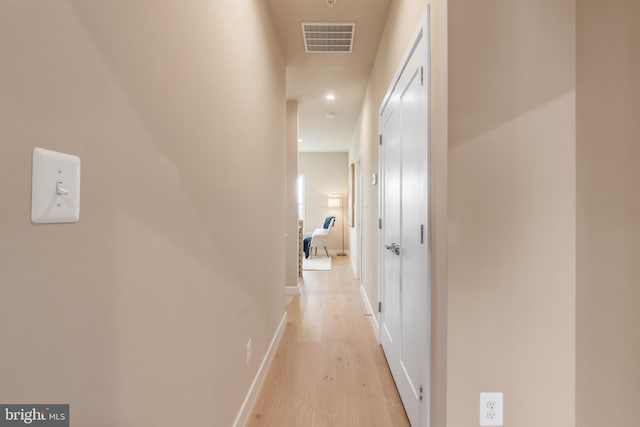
(299, 140)
(330, 97)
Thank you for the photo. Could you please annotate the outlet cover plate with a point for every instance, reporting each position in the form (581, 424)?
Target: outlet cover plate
(249, 351)
(491, 409)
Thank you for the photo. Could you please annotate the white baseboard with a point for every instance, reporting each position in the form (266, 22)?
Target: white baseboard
(250, 399)
(334, 251)
(291, 290)
(374, 314)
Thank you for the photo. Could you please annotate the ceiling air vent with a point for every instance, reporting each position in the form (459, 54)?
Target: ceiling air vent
(328, 38)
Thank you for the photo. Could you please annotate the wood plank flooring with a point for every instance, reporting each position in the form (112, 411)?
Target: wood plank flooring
(328, 371)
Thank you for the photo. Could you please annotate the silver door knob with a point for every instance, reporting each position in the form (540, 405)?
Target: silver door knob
(394, 247)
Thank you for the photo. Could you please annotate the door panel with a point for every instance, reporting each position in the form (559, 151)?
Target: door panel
(391, 224)
(405, 236)
(414, 221)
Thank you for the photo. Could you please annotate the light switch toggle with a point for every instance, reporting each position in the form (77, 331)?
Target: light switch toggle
(60, 191)
(55, 187)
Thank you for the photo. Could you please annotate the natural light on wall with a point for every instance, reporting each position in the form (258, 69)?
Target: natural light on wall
(300, 197)
(334, 202)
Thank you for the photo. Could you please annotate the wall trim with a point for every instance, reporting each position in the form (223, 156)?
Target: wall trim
(334, 251)
(292, 290)
(250, 399)
(374, 313)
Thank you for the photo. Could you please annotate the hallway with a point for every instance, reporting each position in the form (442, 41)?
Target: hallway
(193, 122)
(329, 369)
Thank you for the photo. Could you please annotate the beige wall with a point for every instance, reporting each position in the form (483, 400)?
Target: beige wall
(521, 318)
(608, 151)
(512, 210)
(325, 174)
(138, 315)
(291, 228)
(403, 19)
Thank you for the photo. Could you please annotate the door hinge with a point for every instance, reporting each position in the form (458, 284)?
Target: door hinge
(380, 223)
(379, 306)
(380, 139)
(421, 394)
(422, 234)
(421, 76)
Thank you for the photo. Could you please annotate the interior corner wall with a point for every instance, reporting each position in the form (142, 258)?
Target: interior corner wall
(139, 314)
(608, 241)
(325, 174)
(291, 227)
(402, 21)
(512, 211)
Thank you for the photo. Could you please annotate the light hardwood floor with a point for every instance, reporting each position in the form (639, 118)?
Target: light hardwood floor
(329, 370)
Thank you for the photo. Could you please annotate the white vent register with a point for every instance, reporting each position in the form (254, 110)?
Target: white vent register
(55, 187)
(328, 37)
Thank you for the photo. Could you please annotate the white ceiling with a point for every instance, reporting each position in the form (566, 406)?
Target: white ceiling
(311, 76)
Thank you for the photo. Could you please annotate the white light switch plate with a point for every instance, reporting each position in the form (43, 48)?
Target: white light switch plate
(55, 187)
(491, 409)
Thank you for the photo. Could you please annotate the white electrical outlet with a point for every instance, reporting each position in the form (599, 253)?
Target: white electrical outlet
(249, 349)
(491, 412)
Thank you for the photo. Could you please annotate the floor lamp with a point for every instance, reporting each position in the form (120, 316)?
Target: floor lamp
(335, 201)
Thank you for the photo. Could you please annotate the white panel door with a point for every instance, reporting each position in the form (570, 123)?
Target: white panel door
(414, 267)
(405, 256)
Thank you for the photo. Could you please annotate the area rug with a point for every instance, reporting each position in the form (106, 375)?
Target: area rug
(316, 263)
